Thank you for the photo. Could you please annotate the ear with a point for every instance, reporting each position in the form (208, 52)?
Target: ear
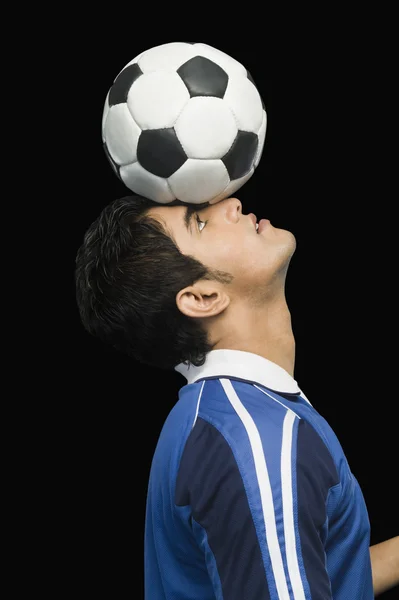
(201, 300)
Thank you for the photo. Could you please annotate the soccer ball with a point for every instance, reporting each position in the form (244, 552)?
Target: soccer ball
(184, 122)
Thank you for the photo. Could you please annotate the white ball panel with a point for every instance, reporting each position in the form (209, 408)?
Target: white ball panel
(228, 63)
(199, 181)
(121, 134)
(155, 100)
(261, 136)
(146, 184)
(167, 56)
(104, 117)
(232, 187)
(244, 100)
(206, 128)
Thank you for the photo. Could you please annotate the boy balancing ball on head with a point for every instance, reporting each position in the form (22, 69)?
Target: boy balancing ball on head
(250, 495)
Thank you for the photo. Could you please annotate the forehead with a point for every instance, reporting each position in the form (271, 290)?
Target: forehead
(165, 211)
(168, 215)
(175, 221)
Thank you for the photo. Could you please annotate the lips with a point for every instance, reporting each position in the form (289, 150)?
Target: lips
(259, 227)
(263, 223)
(253, 219)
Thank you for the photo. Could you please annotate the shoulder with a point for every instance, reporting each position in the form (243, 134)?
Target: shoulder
(313, 454)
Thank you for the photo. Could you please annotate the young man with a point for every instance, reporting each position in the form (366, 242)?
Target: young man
(250, 494)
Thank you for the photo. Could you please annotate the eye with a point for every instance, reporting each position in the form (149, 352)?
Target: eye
(200, 222)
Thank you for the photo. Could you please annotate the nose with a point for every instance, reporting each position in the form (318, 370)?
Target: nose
(233, 205)
(233, 208)
(229, 208)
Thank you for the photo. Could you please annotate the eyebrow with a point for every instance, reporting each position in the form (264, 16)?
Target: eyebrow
(188, 213)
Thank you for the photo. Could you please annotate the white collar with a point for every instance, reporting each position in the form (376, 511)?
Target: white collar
(241, 365)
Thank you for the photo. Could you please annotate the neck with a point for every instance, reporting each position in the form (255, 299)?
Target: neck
(266, 331)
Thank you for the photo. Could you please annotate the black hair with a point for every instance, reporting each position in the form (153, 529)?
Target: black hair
(128, 273)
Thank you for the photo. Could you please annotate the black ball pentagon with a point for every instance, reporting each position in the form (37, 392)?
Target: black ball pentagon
(111, 160)
(160, 152)
(203, 77)
(240, 157)
(122, 84)
(251, 79)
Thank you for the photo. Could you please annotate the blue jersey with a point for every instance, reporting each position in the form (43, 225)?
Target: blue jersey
(250, 494)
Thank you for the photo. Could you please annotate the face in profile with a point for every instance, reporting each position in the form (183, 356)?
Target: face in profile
(222, 237)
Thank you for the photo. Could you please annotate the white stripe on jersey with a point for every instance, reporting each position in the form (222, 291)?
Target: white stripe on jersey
(198, 403)
(267, 497)
(264, 489)
(288, 509)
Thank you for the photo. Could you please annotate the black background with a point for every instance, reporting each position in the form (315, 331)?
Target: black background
(322, 176)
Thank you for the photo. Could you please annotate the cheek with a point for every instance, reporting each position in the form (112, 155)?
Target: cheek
(239, 256)
(229, 251)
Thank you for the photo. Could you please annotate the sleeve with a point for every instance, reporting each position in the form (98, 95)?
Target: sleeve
(258, 509)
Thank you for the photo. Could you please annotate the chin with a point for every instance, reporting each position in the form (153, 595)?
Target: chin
(293, 241)
(287, 249)
(289, 240)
